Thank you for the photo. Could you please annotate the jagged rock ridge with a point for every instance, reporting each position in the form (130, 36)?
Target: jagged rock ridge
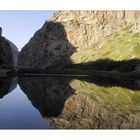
(69, 31)
(84, 28)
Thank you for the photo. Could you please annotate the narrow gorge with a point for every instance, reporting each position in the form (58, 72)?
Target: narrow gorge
(80, 70)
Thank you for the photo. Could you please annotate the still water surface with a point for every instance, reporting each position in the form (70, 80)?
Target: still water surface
(60, 102)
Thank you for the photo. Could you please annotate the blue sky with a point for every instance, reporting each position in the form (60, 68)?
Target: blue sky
(19, 26)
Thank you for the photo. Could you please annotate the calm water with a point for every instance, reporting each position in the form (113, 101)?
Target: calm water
(60, 102)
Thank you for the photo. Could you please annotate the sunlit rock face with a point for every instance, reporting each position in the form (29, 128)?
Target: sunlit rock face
(8, 54)
(69, 31)
(84, 28)
(48, 95)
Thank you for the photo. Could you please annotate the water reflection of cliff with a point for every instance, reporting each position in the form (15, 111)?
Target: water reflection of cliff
(133, 84)
(48, 95)
(67, 103)
(7, 85)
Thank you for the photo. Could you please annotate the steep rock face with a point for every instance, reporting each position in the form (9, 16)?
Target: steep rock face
(84, 28)
(8, 53)
(69, 31)
(48, 47)
(14, 51)
(5, 54)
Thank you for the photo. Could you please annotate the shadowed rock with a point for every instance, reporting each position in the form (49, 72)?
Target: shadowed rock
(5, 54)
(8, 54)
(0, 31)
(14, 51)
(49, 47)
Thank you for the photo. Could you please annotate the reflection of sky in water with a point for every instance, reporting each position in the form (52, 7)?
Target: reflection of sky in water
(16, 111)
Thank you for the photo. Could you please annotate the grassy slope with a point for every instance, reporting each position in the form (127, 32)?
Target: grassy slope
(124, 45)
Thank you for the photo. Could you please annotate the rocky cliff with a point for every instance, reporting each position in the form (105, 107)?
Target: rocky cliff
(84, 28)
(8, 55)
(47, 48)
(5, 54)
(14, 51)
(69, 31)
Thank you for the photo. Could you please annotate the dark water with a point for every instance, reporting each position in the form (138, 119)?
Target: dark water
(65, 103)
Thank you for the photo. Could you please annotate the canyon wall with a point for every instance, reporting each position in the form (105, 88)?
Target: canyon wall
(69, 31)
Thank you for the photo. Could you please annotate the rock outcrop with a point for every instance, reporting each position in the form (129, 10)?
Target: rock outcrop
(49, 47)
(14, 51)
(6, 61)
(8, 54)
(0, 31)
(84, 28)
(69, 31)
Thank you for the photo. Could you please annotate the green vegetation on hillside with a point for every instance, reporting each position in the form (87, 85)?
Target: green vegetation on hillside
(124, 45)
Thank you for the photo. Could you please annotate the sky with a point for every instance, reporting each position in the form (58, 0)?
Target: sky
(20, 26)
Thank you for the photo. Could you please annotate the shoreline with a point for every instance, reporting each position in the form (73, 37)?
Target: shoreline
(71, 73)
